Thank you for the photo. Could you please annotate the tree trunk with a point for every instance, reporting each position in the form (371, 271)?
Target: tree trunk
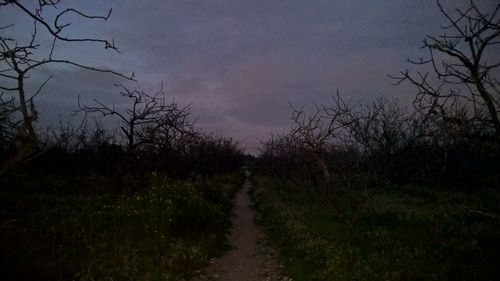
(27, 127)
(324, 171)
(489, 104)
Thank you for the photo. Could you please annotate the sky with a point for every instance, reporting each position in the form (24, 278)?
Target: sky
(240, 64)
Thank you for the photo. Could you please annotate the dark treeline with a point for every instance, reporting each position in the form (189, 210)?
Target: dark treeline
(168, 143)
(152, 135)
(345, 146)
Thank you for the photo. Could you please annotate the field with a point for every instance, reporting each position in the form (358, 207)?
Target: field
(165, 231)
(395, 233)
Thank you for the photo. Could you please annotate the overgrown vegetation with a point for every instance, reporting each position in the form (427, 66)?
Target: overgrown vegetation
(165, 231)
(399, 233)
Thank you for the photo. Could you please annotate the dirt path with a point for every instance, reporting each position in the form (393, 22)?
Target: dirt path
(249, 260)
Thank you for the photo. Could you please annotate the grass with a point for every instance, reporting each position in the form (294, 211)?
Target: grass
(399, 233)
(164, 232)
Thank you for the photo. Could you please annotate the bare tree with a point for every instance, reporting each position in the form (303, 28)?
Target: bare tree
(147, 116)
(18, 58)
(465, 60)
(318, 129)
(282, 155)
(72, 138)
(385, 127)
(174, 131)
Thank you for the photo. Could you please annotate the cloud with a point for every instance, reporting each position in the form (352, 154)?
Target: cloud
(241, 63)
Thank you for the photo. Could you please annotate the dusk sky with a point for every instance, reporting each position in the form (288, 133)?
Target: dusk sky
(240, 63)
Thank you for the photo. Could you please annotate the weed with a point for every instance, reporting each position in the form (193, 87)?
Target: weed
(399, 234)
(163, 232)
